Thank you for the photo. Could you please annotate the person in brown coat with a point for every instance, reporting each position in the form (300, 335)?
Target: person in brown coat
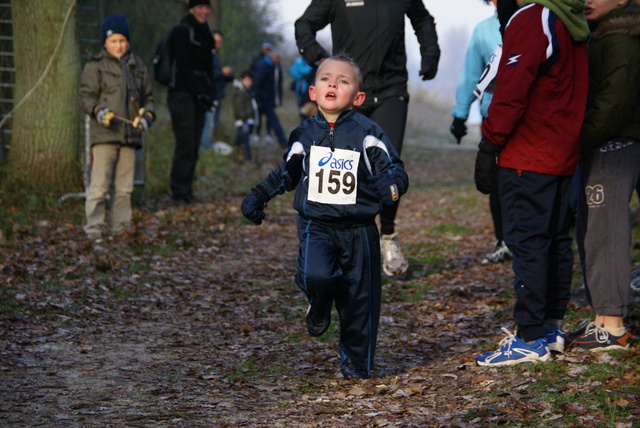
(112, 82)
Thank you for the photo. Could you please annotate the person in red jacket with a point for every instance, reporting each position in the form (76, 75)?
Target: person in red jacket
(529, 149)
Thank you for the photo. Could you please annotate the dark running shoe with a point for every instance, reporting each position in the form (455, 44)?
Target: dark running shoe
(595, 339)
(571, 337)
(350, 370)
(318, 322)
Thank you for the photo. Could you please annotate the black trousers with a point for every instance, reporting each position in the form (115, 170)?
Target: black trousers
(537, 218)
(187, 119)
(342, 264)
(391, 115)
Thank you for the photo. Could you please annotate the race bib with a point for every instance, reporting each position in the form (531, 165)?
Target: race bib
(333, 176)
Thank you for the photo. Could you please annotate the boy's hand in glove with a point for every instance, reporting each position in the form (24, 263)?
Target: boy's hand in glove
(103, 115)
(458, 129)
(253, 207)
(486, 166)
(386, 186)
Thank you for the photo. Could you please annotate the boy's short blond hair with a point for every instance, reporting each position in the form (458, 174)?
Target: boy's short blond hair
(346, 59)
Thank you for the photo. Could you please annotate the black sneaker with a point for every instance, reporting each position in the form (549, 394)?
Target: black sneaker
(596, 338)
(318, 322)
(584, 325)
(350, 370)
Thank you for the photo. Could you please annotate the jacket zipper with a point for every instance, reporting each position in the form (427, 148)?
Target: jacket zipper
(331, 138)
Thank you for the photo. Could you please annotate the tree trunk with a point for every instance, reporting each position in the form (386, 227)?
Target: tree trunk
(45, 128)
(215, 19)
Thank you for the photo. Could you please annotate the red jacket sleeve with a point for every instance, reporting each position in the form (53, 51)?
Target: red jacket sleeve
(524, 51)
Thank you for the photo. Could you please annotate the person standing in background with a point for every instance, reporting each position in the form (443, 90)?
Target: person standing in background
(245, 112)
(372, 33)
(221, 76)
(610, 170)
(486, 36)
(191, 93)
(267, 87)
(529, 150)
(109, 83)
(302, 74)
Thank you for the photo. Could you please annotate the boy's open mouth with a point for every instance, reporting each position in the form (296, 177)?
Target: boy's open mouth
(331, 95)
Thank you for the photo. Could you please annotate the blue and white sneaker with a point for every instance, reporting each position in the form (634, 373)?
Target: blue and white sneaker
(555, 339)
(514, 350)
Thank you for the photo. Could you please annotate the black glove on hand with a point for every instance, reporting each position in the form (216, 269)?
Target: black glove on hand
(253, 207)
(205, 102)
(386, 187)
(428, 70)
(486, 166)
(458, 129)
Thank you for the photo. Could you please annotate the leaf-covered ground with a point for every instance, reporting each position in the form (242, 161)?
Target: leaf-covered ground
(194, 320)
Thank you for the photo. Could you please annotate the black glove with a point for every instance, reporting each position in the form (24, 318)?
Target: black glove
(253, 207)
(486, 166)
(205, 102)
(387, 187)
(428, 69)
(458, 128)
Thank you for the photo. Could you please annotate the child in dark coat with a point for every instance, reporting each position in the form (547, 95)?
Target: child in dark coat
(244, 111)
(344, 169)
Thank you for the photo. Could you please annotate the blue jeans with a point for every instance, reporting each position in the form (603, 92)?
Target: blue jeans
(211, 118)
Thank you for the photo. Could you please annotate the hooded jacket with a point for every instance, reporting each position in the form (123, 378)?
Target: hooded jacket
(613, 107)
(372, 33)
(570, 12)
(541, 89)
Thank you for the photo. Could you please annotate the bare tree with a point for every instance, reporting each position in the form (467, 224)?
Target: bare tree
(45, 126)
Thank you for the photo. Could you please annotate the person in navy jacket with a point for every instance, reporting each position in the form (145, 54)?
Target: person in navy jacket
(344, 169)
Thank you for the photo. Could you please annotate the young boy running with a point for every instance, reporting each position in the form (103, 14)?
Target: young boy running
(344, 169)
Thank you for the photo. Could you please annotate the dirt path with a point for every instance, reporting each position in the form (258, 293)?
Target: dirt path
(196, 321)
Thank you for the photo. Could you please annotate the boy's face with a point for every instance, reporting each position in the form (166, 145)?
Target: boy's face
(117, 45)
(336, 88)
(247, 82)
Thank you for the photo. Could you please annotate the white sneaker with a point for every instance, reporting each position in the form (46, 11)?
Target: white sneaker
(393, 260)
(499, 253)
(268, 140)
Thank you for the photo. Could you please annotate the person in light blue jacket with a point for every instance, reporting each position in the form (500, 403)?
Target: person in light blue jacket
(486, 36)
(302, 74)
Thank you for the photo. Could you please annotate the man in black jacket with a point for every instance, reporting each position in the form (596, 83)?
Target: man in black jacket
(372, 32)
